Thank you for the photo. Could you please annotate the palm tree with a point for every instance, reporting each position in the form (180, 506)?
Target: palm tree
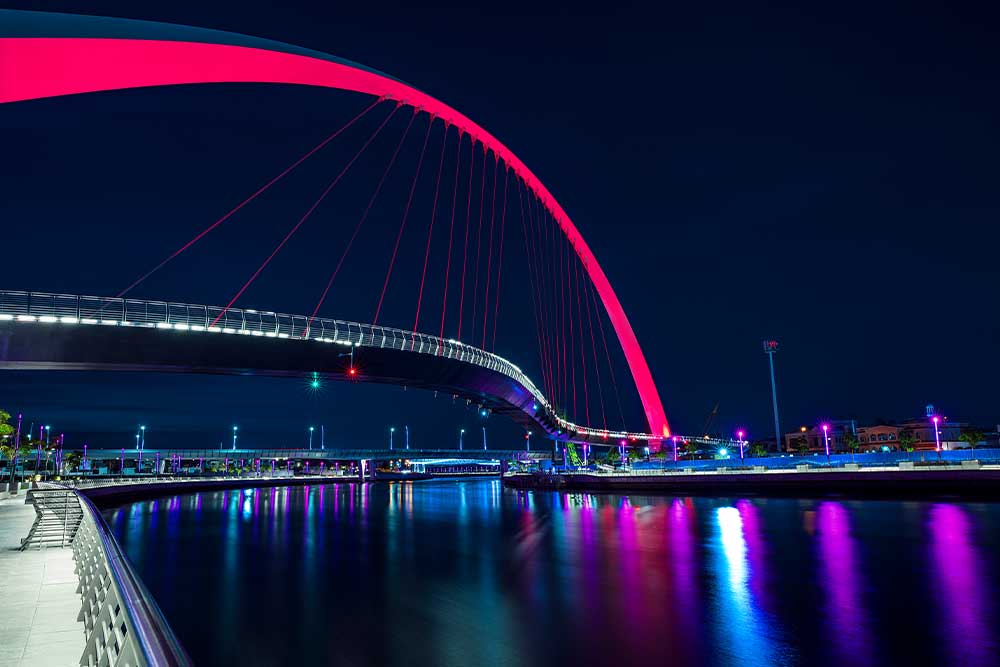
(972, 438)
(72, 460)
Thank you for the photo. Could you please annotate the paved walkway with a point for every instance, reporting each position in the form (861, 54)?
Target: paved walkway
(38, 599)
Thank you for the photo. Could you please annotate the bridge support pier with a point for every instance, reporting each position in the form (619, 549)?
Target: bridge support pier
(361, 469)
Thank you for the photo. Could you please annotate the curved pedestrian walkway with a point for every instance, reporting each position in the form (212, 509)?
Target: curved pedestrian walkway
(39, 603)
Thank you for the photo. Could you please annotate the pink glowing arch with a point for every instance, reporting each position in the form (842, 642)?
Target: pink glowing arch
(43, 66)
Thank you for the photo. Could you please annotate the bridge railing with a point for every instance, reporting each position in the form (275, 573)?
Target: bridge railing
(122, 622)
(111, 311)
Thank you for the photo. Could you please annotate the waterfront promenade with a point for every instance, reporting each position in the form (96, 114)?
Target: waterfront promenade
(39, 603)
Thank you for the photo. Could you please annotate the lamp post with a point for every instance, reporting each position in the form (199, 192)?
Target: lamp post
(484, 438)
(392, 429)
(142, 440)
(322, 436)
(826, 440)
(235, 428)
(310, 438)
(406, 429)
(937, 434)
(675, 448)
(739, 439)
(461, 435)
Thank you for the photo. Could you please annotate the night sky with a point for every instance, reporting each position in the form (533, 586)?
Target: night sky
(827, 177)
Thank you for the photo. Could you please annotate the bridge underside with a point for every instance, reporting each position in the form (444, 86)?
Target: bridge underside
(33, 346)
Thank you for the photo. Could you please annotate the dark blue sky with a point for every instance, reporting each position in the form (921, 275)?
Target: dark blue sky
(823, 176)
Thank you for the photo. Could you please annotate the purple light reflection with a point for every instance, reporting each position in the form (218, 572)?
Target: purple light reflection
(965, 613)
(841, 580)
(756, 552)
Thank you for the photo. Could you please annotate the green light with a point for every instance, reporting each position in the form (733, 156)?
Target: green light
(314, 384)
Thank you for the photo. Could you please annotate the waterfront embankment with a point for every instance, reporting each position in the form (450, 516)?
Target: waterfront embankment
(888, 482)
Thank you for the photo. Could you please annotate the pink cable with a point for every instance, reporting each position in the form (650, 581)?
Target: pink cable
(430, 229)
(364, 216)
(468, 215)
(451, 231)
(402, 224)
(489, 254)
(248, 199)
(304, 217)
(503, 224)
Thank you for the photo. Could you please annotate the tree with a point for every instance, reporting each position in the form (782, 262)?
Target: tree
(72, 460)
(906, 442)
(973, 438)
(758, 449)
(5, 428)
(574, 458)
(851, 443)
(802, 444)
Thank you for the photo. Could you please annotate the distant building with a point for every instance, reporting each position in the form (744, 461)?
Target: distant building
(812, 439)
(875, 438)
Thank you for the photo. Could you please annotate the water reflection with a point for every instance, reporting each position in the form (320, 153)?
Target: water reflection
(846, 614)
(745, 635)
(467, 573)
(964, 609)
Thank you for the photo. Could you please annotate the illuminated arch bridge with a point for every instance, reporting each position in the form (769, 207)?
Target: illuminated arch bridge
(50, 55)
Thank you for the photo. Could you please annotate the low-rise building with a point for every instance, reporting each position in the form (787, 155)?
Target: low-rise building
(839, 431)
(878, 438)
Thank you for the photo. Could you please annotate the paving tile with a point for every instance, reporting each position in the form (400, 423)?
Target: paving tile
(51, 638)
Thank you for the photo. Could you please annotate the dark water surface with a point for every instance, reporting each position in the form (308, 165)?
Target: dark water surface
(467, 573)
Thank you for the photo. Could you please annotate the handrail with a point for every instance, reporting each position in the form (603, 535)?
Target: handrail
(114, 311)
(155, 638)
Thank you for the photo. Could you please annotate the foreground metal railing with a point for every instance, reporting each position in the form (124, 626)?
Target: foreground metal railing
(123, 624)
(74, 309)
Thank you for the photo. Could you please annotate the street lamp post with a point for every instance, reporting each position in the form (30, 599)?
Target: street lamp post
(235, 428)
(142, 440)
(310, 438)
(826, 440)
(739, 439)
(322, 436)
(484, 438)
(392, 429)
(527, 440)
(461, 435)
(937, 434)
(406, 429)
(675, 448)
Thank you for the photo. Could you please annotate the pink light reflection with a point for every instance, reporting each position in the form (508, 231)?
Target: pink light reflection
(966, 615)
(841, 580)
